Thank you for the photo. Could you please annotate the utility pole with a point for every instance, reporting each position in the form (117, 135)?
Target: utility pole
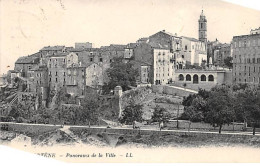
(178, 117)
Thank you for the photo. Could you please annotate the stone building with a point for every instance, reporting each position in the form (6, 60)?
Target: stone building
(193, 52)
(255, 31)
(75, 80)
(163, 63)
(221, 52)
(94, 75)
(83, 45)
(218, 52)
(246, 58)
(57, 69)
(202, 28)
(143, 62)
(155, 65)
(165, 40)
(205, 79)
(25, 64)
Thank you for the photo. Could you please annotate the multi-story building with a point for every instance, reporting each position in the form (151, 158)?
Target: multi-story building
(57, 69)
(217, 52)
(163, 61)
(155, 65)
(193, 52)
(83, 45)
(255, 31)
(246, 58)
(165, 40)
(26, 63)
(221, 52)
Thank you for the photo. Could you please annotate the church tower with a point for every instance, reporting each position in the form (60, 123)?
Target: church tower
(203, 28)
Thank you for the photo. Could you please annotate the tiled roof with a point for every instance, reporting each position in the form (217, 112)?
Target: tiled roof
(28, 60)
(52, 48)
(190, 38)
(114, 47)
(39, 68)
(59, 54)
(158, 45)
(132, 45)
(76, 49)
(141, 62)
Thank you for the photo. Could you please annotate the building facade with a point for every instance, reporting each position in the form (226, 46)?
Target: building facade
(193, 52)
(202, 28)
(246, 58)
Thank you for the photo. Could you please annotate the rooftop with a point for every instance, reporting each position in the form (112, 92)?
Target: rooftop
(27, 60)
(52, 48)
(190, 38)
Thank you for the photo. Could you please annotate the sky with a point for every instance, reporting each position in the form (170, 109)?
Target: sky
(26, 26)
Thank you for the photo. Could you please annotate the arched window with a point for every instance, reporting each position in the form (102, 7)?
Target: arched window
(181, 77)
(195, 79)
(211, 78)
(188, 77)
(203, 77)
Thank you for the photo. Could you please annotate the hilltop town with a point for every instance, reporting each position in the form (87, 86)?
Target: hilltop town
(160, 82)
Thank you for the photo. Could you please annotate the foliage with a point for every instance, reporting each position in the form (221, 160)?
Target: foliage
(247, 106)
(195, 111)
(132, 112)
(223, 105)
(160, 115)
(122, 74)
(220, 105)
(228, 62)
(90, 110)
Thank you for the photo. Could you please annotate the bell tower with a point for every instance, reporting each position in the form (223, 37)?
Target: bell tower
(203, 28)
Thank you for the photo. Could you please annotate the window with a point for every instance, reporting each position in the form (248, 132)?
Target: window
(50, 80)
(50, 73)
(201, 25)
(56, 73)
(181, 77)
(56, 79)
(64, 73)
(188, 77)
(101, 59)
(211, 78)
(186, 47)
(182, 56)
(203, 78)
(91, 59)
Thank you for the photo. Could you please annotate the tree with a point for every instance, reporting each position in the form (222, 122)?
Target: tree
(122, 74)
(132, 112)
(228, 62)
(248, 106)
(89, 111)
(220, 105)
(160, 115)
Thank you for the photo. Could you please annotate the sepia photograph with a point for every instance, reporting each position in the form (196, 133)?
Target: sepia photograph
(132, 81)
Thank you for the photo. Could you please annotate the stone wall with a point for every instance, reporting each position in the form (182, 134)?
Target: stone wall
(204, 126)
(28, 128)
(169, 90)
(131, 132)
(138, 94)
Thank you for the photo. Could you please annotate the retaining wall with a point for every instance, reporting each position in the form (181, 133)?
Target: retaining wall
(132, 132)
(162, 89)
(204, 126)
(28, 128)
